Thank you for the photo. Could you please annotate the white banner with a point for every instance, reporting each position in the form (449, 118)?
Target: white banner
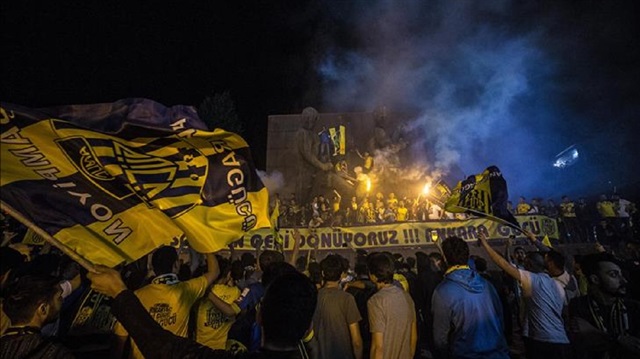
(402, 234)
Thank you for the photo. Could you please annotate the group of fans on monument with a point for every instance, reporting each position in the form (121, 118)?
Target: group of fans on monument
(610, 219)
(443, 304)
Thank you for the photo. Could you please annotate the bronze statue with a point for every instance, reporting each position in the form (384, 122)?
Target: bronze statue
(315, 176)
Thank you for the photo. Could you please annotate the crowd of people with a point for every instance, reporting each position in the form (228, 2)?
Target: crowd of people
(445, 303)
(610, 220)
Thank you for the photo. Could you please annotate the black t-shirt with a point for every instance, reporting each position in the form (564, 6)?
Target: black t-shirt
(580, 308)
(19, 343)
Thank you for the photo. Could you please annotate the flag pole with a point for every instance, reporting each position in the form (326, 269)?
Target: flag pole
(47, 237)
(491, 217)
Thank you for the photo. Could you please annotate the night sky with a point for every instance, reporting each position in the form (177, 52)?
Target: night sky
(510, 83)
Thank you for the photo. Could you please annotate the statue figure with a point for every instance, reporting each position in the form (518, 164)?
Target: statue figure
(380, 139)
(314, 175)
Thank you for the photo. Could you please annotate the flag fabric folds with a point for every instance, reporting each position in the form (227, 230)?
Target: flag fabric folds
(115, 181)
(439, 193)
(484, 195)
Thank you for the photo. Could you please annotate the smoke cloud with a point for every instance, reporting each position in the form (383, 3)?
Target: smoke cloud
(274, 181)
(483, 80)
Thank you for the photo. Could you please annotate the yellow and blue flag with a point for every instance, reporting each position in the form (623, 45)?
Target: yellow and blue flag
(484, 195)
(115, 181)
(338, 136)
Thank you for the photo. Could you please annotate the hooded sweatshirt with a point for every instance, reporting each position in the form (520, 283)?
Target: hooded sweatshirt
(467, 317)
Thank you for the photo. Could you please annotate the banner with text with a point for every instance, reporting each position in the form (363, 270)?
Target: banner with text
(404, 234)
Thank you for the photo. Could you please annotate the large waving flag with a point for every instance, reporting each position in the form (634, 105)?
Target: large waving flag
(484, 195)
(114, 181)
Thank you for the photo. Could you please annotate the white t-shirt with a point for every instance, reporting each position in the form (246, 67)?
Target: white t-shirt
(435, 212)
(623, 205)
(569, 284)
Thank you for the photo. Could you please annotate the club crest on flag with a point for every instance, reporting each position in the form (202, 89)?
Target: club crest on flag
(548, 226)
(170, 177)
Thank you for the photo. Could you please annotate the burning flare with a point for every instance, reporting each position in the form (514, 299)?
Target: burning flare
(426, 189)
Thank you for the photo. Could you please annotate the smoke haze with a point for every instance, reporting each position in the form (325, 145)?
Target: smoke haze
(274, 181)
(489, 82)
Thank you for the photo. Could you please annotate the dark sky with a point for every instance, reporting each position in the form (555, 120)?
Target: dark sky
(175, 52)
(549, 74)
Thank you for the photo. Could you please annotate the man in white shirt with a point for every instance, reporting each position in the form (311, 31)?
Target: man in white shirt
(543, 328)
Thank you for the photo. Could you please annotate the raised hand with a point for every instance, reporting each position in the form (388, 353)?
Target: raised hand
(106, 281)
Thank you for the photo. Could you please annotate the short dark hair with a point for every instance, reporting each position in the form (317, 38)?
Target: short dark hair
(422, 259)
(556, 258)
(24, 297)
(248, 259)
(361, 269)
(163, 260)
(10, 259)
(436, 255)
(455, 250)
(481, 263)
(287, 308)
(345, 262)
(301, 263)
(411, 262)
(43, 265)
(382, 266)
(537, 261)
(237, 270)
(398, 265)
(591, 263)
(274, 270)
(332, 268)
(315, 272)
(267, 257)
(224, 266)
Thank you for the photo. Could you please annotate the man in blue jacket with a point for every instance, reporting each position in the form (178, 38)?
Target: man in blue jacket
(467, 314)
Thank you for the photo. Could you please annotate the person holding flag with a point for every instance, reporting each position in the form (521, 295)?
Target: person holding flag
(483, 195)
(166, 299)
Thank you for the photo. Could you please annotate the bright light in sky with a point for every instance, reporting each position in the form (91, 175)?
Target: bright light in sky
(567, 157)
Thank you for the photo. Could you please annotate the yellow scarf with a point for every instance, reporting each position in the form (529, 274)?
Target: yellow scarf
(456, 267)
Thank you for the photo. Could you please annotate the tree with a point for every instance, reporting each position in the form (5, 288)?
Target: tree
(219, 111)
